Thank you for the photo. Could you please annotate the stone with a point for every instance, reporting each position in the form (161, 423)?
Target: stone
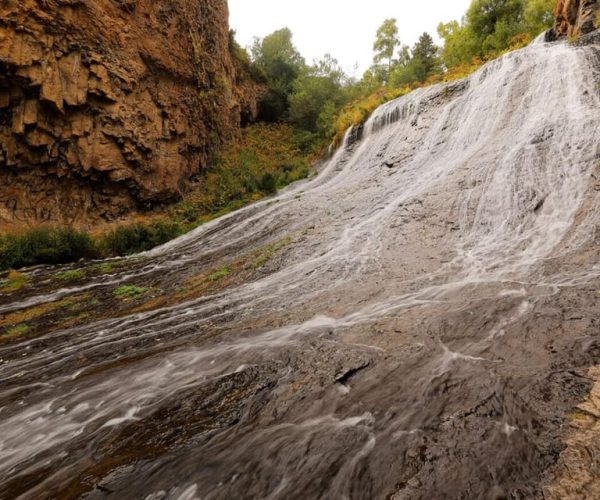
(114, 103)
(575, 18)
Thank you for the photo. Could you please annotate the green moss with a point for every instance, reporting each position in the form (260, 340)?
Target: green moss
(16, 331)
(14, 281)
(220, 274)
(71, 275)
(104, 268)
(129, 292)
(269, 251)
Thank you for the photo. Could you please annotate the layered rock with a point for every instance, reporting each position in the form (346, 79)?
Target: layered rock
(575, 17)
(107, 106)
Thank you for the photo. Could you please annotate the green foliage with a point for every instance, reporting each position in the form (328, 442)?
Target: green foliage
(538, 15)
(318, 93)
(71, 275)
(425, 55)
(104, 268)
(490, 26)
(267, 157)
(495, 22)
(44, 246)
(460, 45)
(386, 42)
(126, 240)
(129, 292)
(279, 61)
(416, 65)
(220, 274)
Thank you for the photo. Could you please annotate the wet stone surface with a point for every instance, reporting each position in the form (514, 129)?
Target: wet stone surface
(421, 331)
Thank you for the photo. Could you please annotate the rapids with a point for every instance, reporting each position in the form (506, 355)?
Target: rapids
(423, 334)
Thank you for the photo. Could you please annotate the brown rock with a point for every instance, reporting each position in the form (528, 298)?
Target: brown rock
(575, 17)
(107, 106)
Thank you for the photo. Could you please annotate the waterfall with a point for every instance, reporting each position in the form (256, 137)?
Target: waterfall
(420, 255)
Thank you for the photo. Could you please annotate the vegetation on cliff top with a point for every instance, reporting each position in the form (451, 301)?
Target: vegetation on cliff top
(321, 102)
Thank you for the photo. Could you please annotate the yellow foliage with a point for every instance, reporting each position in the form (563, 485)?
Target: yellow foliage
(358, 112)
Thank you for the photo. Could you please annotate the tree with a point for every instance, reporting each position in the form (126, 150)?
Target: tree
(495, 22)
(490, 25)
(425, 57)
(539, 15)
(386, 42)
(281, 63)
(318, 93)
(460, 44)
(404, 56)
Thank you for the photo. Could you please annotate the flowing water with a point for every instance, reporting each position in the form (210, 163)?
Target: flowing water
(421, 332)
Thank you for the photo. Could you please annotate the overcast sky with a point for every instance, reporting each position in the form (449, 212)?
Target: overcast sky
(344, 28)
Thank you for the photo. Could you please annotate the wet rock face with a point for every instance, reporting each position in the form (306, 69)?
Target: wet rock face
(575, 17)
(110, 105)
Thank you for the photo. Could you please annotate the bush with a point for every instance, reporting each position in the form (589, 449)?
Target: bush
(127, 240)
(268, 183)
(45, 246)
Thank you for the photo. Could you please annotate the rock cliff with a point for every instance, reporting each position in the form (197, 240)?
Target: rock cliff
(575, 17)
(107, 106)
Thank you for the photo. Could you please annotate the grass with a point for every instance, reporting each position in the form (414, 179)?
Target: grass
(14, 281)
(44, 246)
(71, 275)
(129, 292)
(104, 268)
(269, 251)
(127, 240)
(15, 331)
(41, 310)
(220, 274)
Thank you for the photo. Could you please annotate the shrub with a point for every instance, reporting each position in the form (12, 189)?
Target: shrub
(220, 274)
(268, 183)
(45, 246)
(126, 240)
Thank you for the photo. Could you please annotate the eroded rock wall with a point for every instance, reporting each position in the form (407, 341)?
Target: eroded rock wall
(107, 106)
(575, 17)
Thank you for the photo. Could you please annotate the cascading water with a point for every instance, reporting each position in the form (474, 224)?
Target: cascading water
(409, 343)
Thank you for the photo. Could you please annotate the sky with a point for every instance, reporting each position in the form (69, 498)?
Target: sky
(344, 28)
